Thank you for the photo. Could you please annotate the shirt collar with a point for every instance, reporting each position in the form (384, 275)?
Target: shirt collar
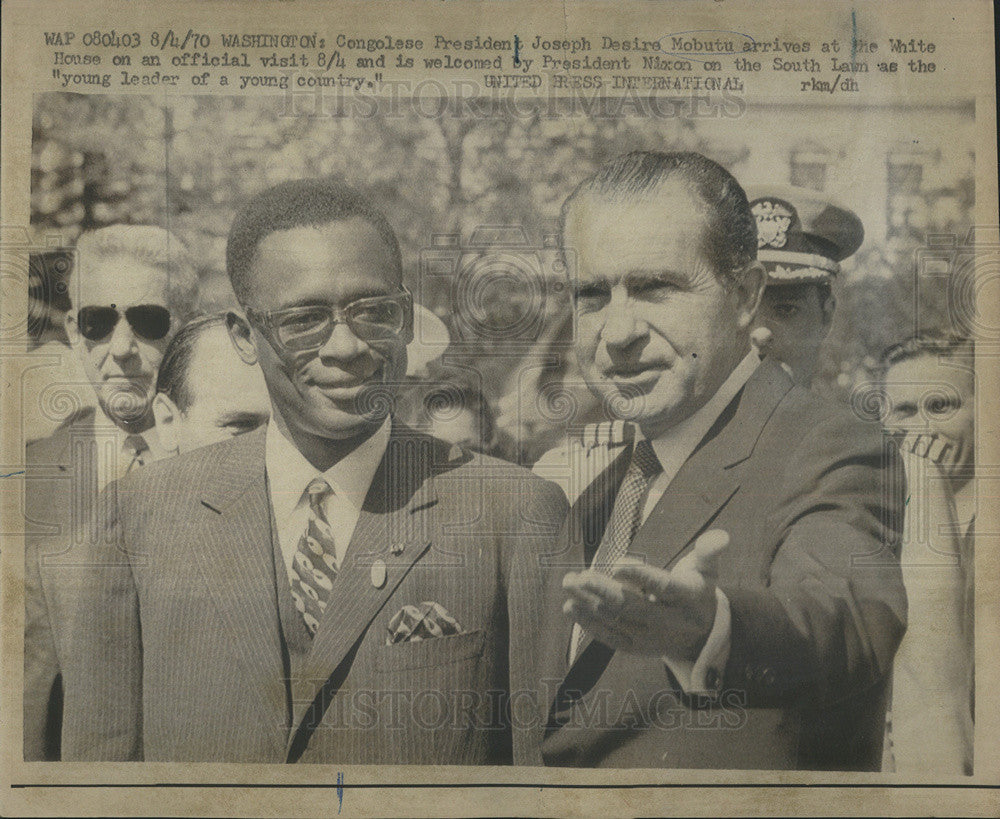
(289, 473)
(682, 438)
(131, 443)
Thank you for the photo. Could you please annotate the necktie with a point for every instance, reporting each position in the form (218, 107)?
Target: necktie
(314, 567)
(625, 518)
(140, 452)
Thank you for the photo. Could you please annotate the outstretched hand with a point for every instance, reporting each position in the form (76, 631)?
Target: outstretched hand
(647, 610)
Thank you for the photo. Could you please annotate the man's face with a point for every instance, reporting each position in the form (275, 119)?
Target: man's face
(933, 395)
(340, 390)
(798, 316)
(227, 397)
(657, 332)
(121, 365)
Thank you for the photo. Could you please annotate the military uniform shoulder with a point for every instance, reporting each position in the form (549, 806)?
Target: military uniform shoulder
(584, 454)
(597, 440)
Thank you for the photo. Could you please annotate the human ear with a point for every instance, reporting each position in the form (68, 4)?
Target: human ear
(827, 308)
(167, 418)
(239, 333)
(749, 291)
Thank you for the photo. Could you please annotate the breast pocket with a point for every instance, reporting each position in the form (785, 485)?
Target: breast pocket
(429, 653)
(438, 702)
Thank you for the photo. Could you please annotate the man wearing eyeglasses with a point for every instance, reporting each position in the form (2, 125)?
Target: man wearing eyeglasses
(333, 587)
(132, 286)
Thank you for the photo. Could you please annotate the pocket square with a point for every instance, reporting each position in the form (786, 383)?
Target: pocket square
(414, 623)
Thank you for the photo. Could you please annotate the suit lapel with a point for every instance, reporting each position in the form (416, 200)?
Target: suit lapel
(585, 526)
(393, 530)
(236, 562)
(711, 476)
(702, 486)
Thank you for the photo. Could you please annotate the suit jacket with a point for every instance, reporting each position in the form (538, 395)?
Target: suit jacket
(59, 500)
(185, 640)
(812, 501)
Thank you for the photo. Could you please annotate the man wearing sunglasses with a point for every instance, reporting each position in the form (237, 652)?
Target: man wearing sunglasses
(130, 288)
(334, 587)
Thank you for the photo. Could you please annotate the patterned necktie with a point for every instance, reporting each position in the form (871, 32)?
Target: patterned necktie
(140, 452)
(314, 567)
(625, 518)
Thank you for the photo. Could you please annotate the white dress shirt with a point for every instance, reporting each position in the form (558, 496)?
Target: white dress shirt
(289, 473)
(118, 452)
(677, 444)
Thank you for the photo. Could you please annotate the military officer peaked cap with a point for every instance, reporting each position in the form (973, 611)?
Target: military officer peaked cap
(802, 236)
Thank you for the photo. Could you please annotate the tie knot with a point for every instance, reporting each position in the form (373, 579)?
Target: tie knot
(136, 443)
(644, 457)
(318, 489)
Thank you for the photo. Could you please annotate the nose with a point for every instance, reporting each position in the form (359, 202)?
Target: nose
(342, 344)
(123, 341)
(621, 326)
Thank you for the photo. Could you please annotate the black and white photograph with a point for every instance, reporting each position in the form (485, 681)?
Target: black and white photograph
(496, 425)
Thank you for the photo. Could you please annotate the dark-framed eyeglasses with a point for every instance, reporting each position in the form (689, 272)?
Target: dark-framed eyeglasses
(309, 327)
(148, 321)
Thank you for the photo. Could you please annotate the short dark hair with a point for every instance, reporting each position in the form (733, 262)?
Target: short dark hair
(730, 236)
(292, 204)
(932, 342)
(172, 378)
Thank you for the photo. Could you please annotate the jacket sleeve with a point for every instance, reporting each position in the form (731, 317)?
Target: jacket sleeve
(42, 685)
(102, 668)
(531, 581)
(827, 624)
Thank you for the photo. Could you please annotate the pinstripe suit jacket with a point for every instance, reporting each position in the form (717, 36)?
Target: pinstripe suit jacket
(180, 645)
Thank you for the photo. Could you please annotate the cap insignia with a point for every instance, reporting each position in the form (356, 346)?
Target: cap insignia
(773, 220)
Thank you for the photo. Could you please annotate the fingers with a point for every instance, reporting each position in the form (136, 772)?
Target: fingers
(602, 623)
(649, 581)
(596, 602)
(594, 587)
(660, 586)
(933, 446)
(688, 576)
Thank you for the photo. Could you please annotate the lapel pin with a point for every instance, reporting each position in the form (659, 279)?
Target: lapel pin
(397, 548)
(378, 574)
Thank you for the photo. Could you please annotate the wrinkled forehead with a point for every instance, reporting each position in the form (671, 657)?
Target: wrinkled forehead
(665, 204)
(636, 231)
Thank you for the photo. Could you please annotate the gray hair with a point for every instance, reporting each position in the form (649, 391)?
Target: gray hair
(149, 245)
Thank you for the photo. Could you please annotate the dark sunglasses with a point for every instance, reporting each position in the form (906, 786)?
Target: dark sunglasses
(149, 321)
